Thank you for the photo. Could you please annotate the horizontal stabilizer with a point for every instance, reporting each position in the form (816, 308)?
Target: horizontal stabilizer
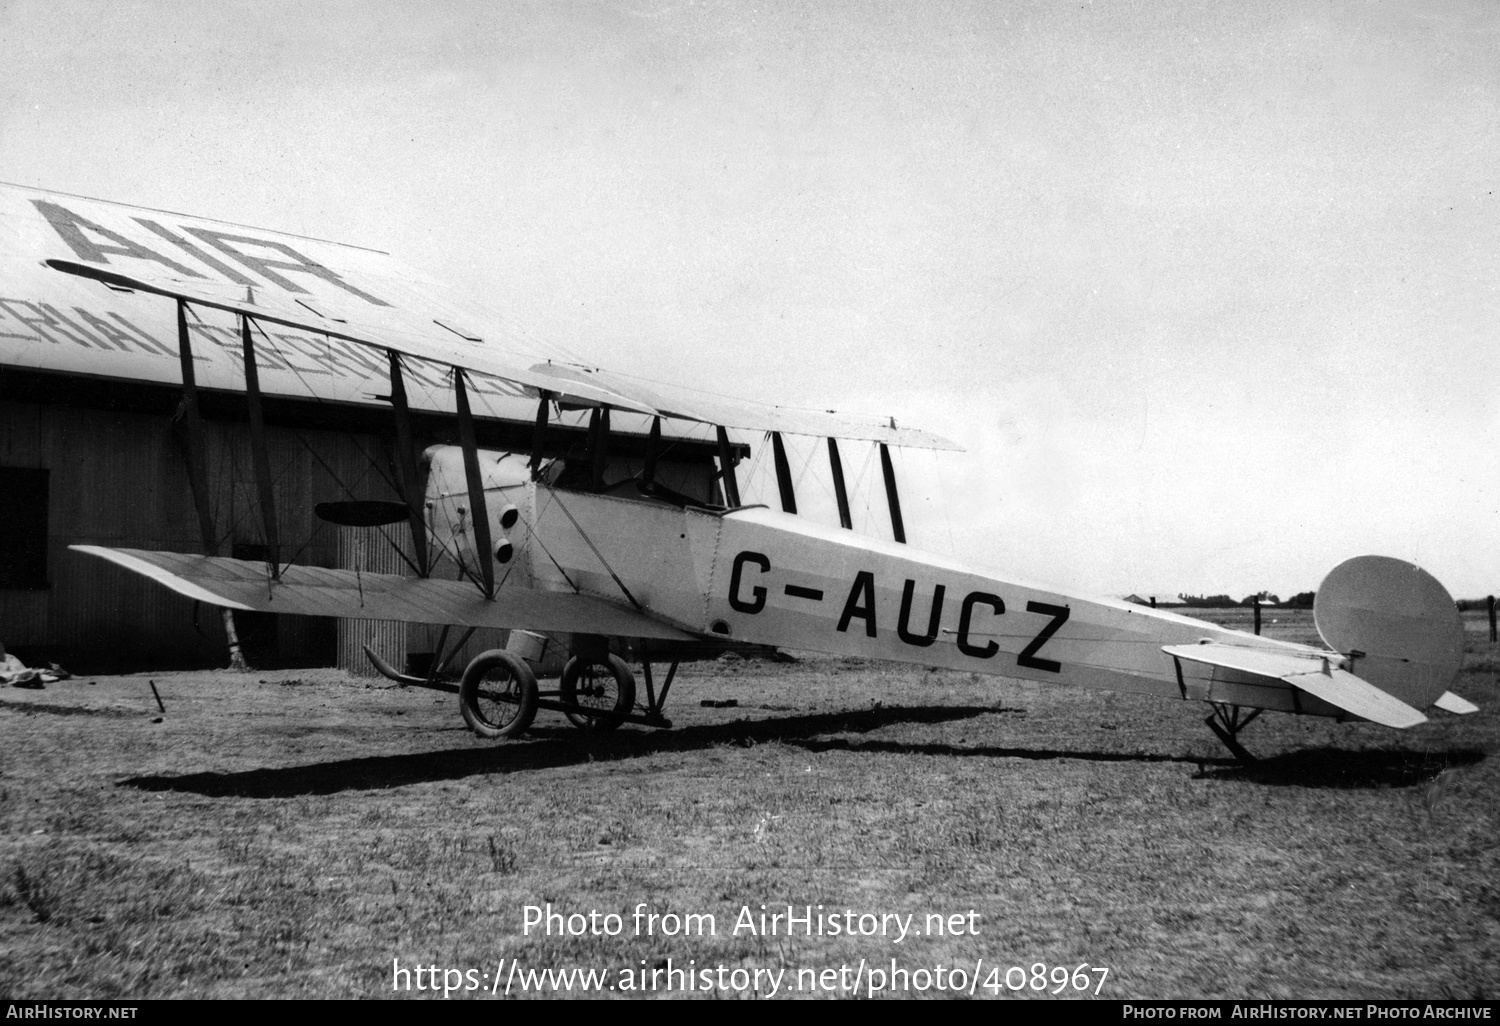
(1307, 671)
(1449, 702)
(1267, 662)
(315, 591)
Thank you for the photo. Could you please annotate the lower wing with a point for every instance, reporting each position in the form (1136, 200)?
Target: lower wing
(315, 591)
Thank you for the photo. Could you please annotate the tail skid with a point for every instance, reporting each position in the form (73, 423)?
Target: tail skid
(1227, 721)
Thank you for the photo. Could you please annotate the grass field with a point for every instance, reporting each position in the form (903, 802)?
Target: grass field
(291, 834)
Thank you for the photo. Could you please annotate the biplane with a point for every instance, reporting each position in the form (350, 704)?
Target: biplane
(560, 548)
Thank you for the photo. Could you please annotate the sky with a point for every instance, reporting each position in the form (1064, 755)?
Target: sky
(1208, 293)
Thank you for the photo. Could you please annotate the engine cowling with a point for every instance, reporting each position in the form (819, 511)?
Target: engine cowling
(449, 517)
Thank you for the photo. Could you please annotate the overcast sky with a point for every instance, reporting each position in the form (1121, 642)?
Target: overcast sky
(1209, 292)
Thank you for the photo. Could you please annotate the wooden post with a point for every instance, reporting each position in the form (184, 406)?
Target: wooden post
(1493, 639)
(192, 436)
(406, 460)
(730, 485)
(783, 473)
(898, 527)
(839, 491)
(1256, 603)
(479, 518)
(261, 458)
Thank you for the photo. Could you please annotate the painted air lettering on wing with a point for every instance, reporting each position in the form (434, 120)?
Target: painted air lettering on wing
(95, 243)
(919, 622)
(40, 322)
(269, 258)
(46, 323)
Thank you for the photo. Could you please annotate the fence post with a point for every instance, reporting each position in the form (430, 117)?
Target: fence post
(1492, 620)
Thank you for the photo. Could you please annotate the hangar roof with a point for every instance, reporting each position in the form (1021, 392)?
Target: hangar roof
(68, 325)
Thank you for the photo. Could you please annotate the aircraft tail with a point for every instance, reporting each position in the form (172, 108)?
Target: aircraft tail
(1310, 671)
(1396, 625)
(1396, 643)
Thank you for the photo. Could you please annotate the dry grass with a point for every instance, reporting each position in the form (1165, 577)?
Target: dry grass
(292, 837)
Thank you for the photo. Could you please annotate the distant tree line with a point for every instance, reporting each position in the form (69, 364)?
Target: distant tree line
(1265, 598)
(1301, 600)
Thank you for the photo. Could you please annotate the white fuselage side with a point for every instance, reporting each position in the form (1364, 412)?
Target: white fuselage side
(756, 575)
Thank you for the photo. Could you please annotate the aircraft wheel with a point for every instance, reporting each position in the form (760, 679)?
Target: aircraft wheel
(498, 695)
(597, 694)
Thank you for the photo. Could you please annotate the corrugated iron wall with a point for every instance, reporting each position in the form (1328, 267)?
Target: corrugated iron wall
(407, 647)
(422, 639)
(373, 550)
(120, 479)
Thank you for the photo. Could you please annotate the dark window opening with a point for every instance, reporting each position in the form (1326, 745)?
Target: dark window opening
(23, 528)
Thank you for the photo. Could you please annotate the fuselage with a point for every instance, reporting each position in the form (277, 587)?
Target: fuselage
(757, 575)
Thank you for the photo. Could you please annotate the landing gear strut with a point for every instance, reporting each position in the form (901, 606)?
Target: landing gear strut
(598, 693)
(1227, 721)
(499, 698)
(654, 702)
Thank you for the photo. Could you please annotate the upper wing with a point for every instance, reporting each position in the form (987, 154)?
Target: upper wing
(712, 408)
(387, 328)
(409, 334)
(314, 591)
(1336, 687)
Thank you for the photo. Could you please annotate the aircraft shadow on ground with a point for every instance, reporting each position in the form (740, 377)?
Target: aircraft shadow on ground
(545, 747)
(553, 747)
(1352, 770)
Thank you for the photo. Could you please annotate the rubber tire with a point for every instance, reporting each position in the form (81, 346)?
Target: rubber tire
(517, 677)
(605, 719)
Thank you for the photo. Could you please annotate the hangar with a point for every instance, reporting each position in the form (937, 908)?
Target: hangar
(90, 432)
